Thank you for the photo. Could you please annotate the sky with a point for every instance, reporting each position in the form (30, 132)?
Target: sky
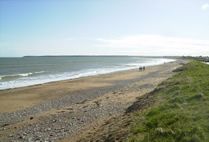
(104, 27)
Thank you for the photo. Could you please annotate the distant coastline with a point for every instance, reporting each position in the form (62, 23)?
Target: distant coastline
(28, 56)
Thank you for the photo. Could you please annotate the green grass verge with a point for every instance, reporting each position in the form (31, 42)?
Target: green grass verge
(183, 112)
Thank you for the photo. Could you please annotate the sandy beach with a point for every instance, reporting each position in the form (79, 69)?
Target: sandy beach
(61, 111)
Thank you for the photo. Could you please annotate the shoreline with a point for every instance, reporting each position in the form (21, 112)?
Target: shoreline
(75, 75)
(77, 102)
(72, 79)
(54, 83)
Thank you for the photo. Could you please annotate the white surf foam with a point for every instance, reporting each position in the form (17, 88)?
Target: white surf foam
(28, 79)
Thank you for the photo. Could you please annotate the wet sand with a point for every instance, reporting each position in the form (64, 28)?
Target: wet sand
(62, 110)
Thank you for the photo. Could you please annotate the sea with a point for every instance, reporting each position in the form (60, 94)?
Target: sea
(27, 71)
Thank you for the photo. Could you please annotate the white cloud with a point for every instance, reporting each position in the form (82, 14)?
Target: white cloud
(205, 6)
(158, 45)
(153, 45)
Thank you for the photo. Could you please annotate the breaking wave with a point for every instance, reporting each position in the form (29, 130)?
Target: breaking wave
(12, 76)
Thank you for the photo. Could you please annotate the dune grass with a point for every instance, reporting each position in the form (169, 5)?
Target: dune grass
(183, 114)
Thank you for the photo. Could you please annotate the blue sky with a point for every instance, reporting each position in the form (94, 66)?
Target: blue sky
(104, 27)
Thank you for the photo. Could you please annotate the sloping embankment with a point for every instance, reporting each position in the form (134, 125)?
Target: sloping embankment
(178, 110)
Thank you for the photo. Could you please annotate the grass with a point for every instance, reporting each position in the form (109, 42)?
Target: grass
(183, 115)
(180, 112)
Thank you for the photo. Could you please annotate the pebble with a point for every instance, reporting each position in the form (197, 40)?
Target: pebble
(21, 137)
(31, 118)
(58, 126)
(11, 135)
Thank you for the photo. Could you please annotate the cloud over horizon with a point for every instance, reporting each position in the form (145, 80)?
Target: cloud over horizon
(158, 45)
(205, 6)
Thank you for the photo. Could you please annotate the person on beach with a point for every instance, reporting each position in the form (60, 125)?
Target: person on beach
(142, 68)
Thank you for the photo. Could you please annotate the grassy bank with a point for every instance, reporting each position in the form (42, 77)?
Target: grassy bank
(180, 111)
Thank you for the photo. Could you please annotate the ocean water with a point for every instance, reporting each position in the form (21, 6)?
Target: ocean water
(27, 71)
